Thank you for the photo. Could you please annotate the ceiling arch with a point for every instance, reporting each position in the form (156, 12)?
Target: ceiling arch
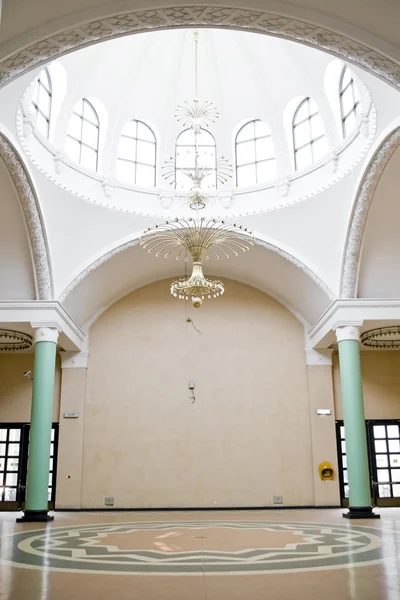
(24, 250)
(380, 255)
(358, 221)
(129, 267)
(88, 28)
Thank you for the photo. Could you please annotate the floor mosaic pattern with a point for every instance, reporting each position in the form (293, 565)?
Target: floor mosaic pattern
(191, 547)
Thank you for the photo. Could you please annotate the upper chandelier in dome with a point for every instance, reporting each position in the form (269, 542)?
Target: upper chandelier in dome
(197, 235)
(196, 116)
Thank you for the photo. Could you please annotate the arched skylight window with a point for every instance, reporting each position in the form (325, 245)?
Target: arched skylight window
(185, 157)
(82, 144)
(309, 140)
(349, 101)
(136, 161)
(254, 153)
(41, 102)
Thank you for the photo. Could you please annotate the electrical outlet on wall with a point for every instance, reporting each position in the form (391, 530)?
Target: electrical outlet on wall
(109, 501)
(277, 499)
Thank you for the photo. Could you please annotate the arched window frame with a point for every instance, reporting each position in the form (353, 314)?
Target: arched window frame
(85, 109)
(350, 90)
(311, 138)
(259, 159)
(43, 90)
(133, 157)
(212, 146)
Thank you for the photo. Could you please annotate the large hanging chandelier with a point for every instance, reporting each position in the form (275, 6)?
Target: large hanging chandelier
(199, 236)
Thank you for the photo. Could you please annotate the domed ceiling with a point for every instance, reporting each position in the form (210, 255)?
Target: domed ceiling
(131, 87)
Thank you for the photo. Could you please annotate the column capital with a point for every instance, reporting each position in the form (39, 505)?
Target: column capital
(74, 360)
(348, 332)
(46, 334)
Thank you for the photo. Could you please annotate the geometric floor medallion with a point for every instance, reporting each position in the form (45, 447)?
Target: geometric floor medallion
(195, 547)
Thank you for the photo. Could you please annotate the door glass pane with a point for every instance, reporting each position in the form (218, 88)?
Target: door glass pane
(13, 449)
(12, 464)
(346, 491)
(379, 431)
(49, 494)
(11, 478)
(51, 449)
(393, 431)
(381, 461)
(345, 476)
(2, 463)
(15, 435)
(396, 490)
(10, 494)
(2, 449)
(394, 460)
(50, 479)
(384, 491)
(52, 435)
(383, 475)
(394, 445)
(3, 435)
(395, 473)
(343, 446)
(380, 446)
(344, 461)
(51, 464)
(342, 432)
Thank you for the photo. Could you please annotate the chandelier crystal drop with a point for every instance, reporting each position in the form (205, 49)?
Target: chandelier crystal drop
(201, 237)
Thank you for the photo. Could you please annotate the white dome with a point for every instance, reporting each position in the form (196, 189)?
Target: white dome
(248, 76)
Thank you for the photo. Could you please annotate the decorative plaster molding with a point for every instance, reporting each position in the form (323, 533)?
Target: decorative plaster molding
(166, 199)
(318, 358)
(225, 199)
(365, 194)
(333, 160)
(349, 332)
(59, 162)
(100, 261)
(27, 125)
(46, 334)
(283, 187)
(74, 360)
(137, 21)
(33, 218)
(109, 187)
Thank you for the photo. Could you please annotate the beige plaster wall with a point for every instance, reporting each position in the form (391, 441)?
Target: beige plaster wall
(323, 434)
(16, 390)
(381, 384)
(247, 436)
(70, 439)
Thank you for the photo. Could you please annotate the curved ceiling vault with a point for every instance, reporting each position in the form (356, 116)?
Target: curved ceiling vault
(121, 272)
(25, 271)
(17, 280)
(65, 27)
(380, 256)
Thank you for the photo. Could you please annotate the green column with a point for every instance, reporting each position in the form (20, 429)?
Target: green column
(41, 423)
(354, 424)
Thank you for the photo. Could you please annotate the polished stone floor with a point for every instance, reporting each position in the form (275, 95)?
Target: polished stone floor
(279, 555)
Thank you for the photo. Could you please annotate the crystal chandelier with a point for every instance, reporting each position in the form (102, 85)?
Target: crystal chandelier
(199, 236)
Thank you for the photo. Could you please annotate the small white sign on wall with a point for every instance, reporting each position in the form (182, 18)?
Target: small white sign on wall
(71, 415)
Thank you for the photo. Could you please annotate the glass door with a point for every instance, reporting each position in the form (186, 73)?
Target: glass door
(384, 444)
(14, 450)
(383, 440)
